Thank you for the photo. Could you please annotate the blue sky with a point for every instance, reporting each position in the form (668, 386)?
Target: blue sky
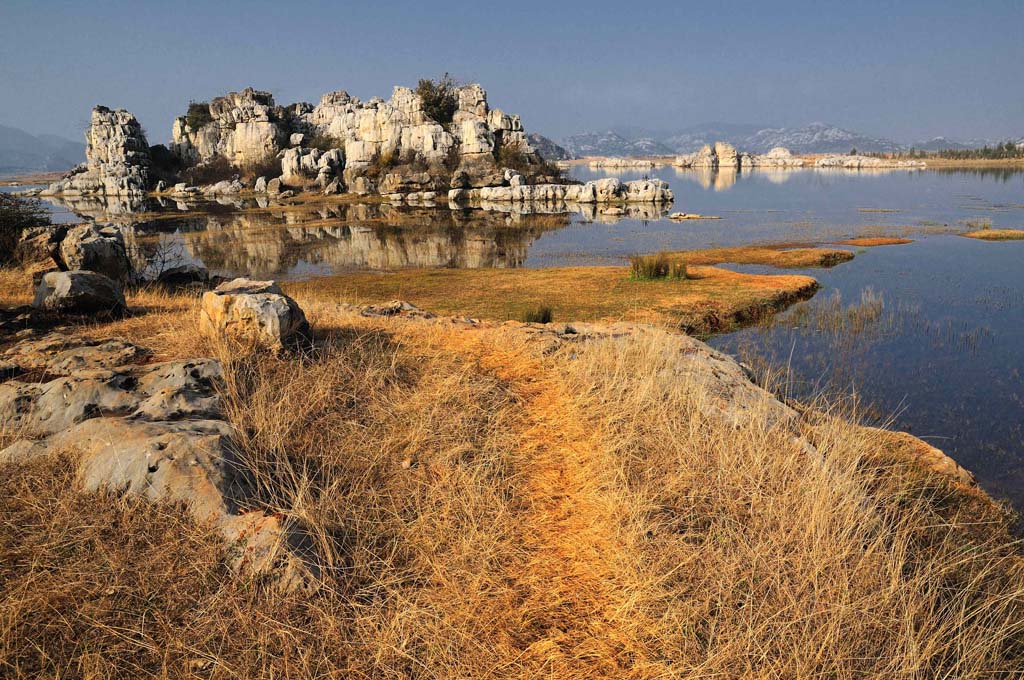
(907, 70)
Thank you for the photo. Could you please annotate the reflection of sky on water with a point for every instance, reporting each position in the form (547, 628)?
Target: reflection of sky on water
(946, 359)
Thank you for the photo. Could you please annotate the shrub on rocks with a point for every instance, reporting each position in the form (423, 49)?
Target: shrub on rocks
(18, 214)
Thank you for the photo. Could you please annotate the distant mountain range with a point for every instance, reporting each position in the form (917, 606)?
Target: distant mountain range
(547, 148)
(813, 138)
(24, 152)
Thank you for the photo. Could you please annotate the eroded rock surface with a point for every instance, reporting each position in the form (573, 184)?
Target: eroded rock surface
(117, 156)
(154, 430)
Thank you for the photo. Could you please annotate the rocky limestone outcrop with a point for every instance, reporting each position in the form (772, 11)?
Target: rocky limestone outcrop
(153, 430)
(248, 127)
(721, 155)
(252, 310)
(118, 161)
(602, 191)
(867, 162)
(244, 127)
(779, 157)
(79, 292)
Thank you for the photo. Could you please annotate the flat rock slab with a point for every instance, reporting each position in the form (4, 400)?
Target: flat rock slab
(58, 354)
(163, 391)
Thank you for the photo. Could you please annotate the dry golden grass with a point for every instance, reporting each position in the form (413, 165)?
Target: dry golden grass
(874, 241)
(996, 234)
(15, 286)
(482, 508)
(780, 256)
(708, 300)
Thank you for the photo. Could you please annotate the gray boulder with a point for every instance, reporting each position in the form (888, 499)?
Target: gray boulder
(79, 292)
(96, 249)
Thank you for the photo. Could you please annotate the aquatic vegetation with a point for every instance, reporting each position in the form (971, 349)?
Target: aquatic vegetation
(654, 267)
(781, 256)
(977, 224)
(988, 234)
(874, 241)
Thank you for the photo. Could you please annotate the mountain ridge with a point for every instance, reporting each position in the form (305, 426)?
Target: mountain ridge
(816, 137)
(21, 151)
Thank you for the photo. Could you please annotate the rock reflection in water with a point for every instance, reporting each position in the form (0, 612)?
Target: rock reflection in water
(247, 235)
(241, 236)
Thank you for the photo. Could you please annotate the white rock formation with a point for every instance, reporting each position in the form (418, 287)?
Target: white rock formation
(866, 162)
(246, 127)
(779, 157)
(117, 158)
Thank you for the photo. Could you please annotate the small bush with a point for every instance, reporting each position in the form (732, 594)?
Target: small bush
(540, 314)
(269, 167)
(325, 142)
(198, 115)
(166, 165)
(440, 98)
(211, 172)
(654, 267)
(16, 215)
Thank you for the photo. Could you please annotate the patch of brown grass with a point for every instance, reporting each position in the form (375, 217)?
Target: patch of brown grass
(15, 286)
(996, 234)
(874, 241)
(709, 300)
(779, 256)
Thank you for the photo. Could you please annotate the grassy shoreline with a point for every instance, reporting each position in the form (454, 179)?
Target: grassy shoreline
(484, 505)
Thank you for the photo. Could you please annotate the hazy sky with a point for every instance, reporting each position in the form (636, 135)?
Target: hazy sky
(909, 70)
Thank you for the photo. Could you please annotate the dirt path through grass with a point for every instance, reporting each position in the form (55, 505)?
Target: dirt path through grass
(574, 620)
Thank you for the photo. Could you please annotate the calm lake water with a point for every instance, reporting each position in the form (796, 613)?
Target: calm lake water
(928, 336)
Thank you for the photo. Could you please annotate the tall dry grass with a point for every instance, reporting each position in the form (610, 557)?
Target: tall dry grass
(478, 508)
(766, 559)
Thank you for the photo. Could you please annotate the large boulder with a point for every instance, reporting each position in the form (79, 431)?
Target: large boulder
(79, 292)
(97, 249)
(155, 430)
(253, 310)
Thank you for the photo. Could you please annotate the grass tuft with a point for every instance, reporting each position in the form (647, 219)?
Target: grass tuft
(655, 267)
(542, 314)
